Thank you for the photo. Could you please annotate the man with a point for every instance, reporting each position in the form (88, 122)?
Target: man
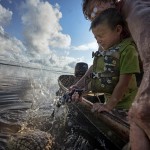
(137, 15)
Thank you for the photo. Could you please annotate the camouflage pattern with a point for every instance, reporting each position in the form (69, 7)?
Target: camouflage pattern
(105, 70)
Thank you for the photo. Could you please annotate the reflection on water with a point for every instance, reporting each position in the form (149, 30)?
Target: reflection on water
(27, 100)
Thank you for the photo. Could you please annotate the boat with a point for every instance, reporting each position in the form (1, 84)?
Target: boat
(113, 125)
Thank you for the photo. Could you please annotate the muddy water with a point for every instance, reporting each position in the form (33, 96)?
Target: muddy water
(27, 100)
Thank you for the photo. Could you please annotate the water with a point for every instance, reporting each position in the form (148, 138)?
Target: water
(27, 100)
(24, 93)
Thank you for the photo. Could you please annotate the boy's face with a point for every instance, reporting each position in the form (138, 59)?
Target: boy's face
(95, 7)
(105, 36)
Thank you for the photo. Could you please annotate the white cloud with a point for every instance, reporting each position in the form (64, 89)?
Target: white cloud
(42, 29)
(43, 35)
(86, 47)
(60, 40)
(63, 61)
(5, 16)
(10, 43)
(10, 47)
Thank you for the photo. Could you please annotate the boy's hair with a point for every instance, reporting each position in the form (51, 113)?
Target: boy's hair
(85, 4)
(112, 17)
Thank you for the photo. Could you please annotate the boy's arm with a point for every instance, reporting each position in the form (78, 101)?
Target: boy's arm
(79, 85)
(81, 82)
(116, 96)
(119, 91)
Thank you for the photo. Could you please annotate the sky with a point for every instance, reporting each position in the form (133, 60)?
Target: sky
(48, 32)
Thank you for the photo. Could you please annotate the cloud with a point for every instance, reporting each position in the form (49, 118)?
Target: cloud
(10, 47)
(10, 43)
(86, 47)
(63, 61)
(42, 30)
(43, 34)
(5, 16)
(7, 43)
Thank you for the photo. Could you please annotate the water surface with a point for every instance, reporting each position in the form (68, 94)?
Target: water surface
(28, 100)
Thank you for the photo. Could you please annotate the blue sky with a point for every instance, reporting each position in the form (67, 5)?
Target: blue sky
(49, 32)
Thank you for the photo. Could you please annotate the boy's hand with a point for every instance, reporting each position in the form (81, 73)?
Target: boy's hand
(76, 97)
(99, 107)
(73, 87)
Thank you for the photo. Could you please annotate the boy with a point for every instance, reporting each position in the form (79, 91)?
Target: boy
(114, 66)
(117, 64)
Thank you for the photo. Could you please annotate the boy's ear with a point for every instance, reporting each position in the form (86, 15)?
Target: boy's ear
(119, 28)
